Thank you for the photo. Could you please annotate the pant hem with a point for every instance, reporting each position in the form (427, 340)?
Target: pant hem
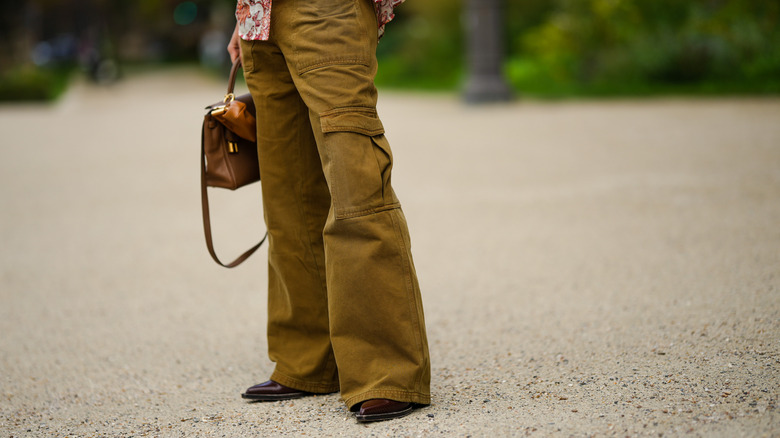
(391, 394)
(300, 385)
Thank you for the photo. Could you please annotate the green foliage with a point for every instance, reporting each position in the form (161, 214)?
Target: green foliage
(553, 47)
(423, 47)
(31, 83)
(602, 47)
(636, 47)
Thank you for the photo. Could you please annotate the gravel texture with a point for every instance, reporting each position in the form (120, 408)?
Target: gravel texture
(589, 268)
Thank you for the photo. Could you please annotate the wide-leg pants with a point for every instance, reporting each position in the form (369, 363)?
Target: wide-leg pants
(344, 306)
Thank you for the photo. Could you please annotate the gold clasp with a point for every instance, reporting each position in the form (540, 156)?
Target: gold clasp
(217, 110)
(221, 109)
(232, 147)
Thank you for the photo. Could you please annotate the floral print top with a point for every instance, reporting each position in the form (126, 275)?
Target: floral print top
(254, 17)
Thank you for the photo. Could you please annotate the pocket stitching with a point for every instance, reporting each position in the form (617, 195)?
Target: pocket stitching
(303, 69)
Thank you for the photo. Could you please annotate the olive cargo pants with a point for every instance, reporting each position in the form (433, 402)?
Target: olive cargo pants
(344, 304)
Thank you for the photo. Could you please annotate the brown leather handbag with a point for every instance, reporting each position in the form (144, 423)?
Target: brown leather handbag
(228, 154)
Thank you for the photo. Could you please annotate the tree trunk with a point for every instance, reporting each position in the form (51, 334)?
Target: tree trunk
(484, 33)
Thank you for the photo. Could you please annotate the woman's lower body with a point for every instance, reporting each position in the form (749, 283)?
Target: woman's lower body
(344, 306)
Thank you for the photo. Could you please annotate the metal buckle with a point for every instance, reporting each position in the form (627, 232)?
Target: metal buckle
(218, 110)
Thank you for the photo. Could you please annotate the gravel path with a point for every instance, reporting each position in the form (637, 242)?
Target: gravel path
(588, 268)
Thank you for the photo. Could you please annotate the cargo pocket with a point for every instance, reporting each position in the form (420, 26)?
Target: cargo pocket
(358, 162)
(331, 32)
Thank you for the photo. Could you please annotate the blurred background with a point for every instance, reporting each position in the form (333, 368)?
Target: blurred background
(549, 48)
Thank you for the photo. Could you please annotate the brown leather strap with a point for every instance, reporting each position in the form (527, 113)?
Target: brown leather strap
(204, 195)
(233, 72)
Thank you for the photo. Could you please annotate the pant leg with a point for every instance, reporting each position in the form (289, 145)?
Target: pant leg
(296, 202)
(377, 326)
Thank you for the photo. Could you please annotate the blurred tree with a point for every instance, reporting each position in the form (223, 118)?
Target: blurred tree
(485, 36)
(554, 47)
(627, 45)
(423, 46)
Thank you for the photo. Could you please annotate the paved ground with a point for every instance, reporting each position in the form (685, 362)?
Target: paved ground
(588, 268)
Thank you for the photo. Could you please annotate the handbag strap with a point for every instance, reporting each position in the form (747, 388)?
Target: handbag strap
(204, 194)
(232, 78)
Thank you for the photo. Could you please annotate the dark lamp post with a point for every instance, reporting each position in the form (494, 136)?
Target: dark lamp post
(484, 34)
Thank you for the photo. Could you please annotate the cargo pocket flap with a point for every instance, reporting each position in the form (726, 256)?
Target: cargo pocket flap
(360, 120)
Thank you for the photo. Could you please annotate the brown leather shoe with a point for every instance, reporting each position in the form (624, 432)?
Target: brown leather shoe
(379, 409)
(272, 391)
